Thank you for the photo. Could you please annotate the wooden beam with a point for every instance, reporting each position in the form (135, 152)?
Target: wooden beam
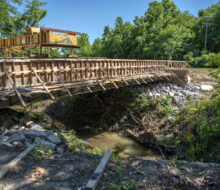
(93, 182)
(60, 79)
(15, 161)
(146, 74)
(14, 86)
(51, 95)
(82, 80)
(131, 75)
(60, 31)
(108, 77)
(96, 79)
(120, 75)
(139, 76)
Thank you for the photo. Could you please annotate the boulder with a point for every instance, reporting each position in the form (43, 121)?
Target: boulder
(52, 137)
(34, 133)
(9, 132)
(22, 128)
(17, 144)
(28, 143)
(18, 136)
(61, 149)
(28, 123)
(43, 143)
(37, 127)
(3, 141)
(15, 127)
(171, 94)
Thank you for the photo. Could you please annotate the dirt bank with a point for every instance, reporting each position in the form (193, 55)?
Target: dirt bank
(72, 170)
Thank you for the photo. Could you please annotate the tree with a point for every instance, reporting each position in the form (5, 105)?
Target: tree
(13, 23)
(213, 38)
(164, 32)
(86, 49)
(33, 13)
(97, 48)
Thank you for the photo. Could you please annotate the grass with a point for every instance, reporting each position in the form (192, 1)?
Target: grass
(125, 185)
(202, 69)
(36, 115)
(38, 154)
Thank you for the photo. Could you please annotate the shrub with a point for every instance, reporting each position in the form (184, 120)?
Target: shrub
(200, 129)
(211, 60)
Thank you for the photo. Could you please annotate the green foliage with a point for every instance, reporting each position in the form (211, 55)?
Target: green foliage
(86, 49)
(125, 185)
(14, 22)
(34, 104)
(164, 32)
(39, 154)
(200, 134)
(204, 60)
(97, 48)
(73, 143)
(213, 40)
(168, 110)
(33, 13)
(142, 101)
(119, 169)
(46, 151)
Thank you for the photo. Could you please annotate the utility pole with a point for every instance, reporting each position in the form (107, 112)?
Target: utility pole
(206, 29)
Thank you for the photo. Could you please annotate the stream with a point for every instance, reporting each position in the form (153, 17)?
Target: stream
(120, 145)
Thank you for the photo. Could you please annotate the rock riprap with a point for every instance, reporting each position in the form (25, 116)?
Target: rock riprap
(180, 94)
(22, 136)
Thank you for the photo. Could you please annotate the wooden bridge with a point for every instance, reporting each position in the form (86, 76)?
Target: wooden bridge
(23, 79)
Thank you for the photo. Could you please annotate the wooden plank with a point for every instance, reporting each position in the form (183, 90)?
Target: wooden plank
(61, 31)
(147, 74)
(15, 161)
(51, 95)
(93, 182)
(139, 76)
(96, 79)
(131, 75)
(60, 79)
(14, 86)
(120, 75)
(82, 80)
(108, 77)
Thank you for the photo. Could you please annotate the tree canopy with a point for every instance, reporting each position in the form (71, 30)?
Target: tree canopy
(13, 22)
(163, 32)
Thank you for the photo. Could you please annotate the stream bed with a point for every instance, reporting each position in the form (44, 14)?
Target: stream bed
(120, 145)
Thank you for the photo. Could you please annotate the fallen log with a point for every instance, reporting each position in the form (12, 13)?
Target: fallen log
(93, 182)
(15, 161)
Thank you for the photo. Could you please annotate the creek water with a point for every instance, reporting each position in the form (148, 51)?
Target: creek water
(122, 146)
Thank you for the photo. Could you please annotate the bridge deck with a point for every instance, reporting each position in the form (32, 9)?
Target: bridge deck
(30, 77)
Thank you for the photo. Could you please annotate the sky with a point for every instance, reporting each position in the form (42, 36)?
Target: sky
(91, 16)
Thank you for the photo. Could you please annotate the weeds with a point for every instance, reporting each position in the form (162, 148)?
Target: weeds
(199, 131)
(125, 185)
(39, 154)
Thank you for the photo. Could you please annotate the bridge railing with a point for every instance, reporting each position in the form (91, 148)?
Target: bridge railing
(32, 72)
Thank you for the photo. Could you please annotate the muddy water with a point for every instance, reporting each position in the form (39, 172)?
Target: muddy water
(120, 145)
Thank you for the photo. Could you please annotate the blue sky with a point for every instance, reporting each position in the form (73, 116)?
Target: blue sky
(90, 16)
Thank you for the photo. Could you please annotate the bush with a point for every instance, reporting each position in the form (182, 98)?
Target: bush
(211, 60)
(200, 129)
